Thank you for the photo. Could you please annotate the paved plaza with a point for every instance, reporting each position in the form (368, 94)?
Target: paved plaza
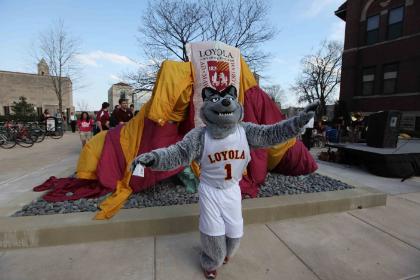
(24, 168)
(373, 243)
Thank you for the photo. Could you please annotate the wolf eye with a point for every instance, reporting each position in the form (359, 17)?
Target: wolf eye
(230, 98)
(214, 99)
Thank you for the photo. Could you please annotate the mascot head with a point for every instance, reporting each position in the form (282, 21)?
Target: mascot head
(221, 111)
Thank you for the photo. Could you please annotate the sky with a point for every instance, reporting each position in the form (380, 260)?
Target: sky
(107, 32)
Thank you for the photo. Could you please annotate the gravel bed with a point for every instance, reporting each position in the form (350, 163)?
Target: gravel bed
(171, 192)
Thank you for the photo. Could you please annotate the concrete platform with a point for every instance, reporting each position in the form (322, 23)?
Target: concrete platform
(50, 230)
(356, 176)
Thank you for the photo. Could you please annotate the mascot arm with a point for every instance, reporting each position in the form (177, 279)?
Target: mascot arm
(260, 136)
(181, 153)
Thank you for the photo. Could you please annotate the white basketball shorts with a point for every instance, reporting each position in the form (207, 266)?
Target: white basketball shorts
(220, 211)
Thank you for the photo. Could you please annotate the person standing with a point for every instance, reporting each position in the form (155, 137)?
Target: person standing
(45, 115)
(123, 114)
(113, 121)
(84, 126)
(64, 117)
(73, 122)
(102, 118)
(57, 114)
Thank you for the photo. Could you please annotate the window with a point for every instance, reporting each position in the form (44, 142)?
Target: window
(368, 81)
(372, 30)
(395, 23)
(390, 78)
(6, 110)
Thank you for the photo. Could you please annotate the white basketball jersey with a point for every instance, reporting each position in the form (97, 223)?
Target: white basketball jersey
(224, 160)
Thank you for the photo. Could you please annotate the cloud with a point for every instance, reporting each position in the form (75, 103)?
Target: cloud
(115, 78)
(337, 31)
(92, 58)
(312, 8)
(278, 60)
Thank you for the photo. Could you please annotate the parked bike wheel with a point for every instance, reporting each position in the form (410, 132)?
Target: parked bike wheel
(57, 134)
(40, 134)
(7, 141)
(25, 142)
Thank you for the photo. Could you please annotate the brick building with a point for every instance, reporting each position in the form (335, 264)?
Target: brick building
(37, 88)
(381, 59)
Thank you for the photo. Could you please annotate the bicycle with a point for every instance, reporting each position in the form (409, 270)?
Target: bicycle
(17, 133)
(7, 139)
(37, 130)
(23, 136)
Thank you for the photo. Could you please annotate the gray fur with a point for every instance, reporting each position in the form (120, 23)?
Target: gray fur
(181, 153)
(232, 245)
(213, 251)
(218, 125)
(260, 136)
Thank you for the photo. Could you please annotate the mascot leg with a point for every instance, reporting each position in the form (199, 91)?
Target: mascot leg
(232, 245)
(214, 251)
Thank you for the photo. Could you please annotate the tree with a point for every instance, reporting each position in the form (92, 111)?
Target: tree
(22, 108)
(59, 49)
(321, 73)
(169, 25)
(82, 105)
(242, 24)
(276, 93)
(144, 78)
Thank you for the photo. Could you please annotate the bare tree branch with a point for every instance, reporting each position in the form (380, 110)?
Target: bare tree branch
(321, 73)
(276, 93)
(169, 25)
(59, 49)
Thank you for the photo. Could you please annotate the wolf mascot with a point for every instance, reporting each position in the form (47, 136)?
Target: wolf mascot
(222, 148)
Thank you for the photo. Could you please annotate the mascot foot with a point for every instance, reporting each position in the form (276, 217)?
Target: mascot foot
(226, 260)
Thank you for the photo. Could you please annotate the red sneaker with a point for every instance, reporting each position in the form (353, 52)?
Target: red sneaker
(226, 260)
(210, 274)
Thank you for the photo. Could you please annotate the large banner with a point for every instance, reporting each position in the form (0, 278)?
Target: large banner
(215, 65)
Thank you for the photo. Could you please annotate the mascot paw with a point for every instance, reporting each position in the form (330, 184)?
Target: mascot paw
(147, 159)
(308, 113)
(311, 107)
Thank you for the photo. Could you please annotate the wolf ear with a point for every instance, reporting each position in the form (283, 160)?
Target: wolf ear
(207, 92)
(231, 90)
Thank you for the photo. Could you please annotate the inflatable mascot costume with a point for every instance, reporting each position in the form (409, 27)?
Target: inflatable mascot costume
(222, 148)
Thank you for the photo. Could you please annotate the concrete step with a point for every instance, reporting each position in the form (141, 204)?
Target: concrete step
(50, 230)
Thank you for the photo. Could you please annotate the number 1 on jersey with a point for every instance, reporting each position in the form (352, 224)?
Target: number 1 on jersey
(228, 168)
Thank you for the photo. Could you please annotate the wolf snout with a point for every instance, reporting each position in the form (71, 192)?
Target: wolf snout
(226, 102)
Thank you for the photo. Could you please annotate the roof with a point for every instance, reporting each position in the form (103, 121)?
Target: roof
(341, 11)
(121, 84)
(30, 74)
